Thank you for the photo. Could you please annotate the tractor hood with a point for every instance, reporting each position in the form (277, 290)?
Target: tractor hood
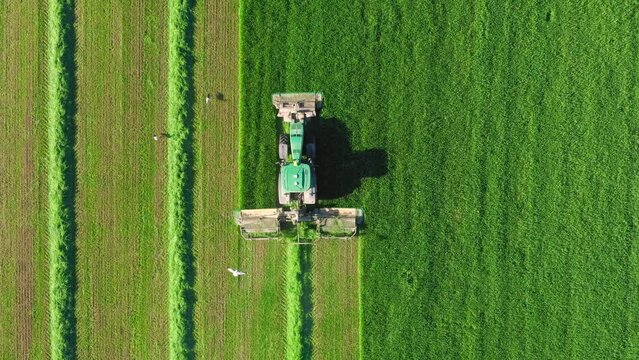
(296, 178)
(297, 139)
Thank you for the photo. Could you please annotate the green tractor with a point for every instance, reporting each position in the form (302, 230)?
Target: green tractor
(297, 180)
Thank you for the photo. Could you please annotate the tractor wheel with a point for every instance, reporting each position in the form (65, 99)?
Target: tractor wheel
(283, 147)
(310, 148)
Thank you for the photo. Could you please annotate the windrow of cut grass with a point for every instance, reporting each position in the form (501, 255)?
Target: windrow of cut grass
(61, 178)
(299, 319)
(180, 180)
(293, 303)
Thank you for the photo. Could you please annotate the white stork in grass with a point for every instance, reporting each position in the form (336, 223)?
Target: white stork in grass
(236, 273)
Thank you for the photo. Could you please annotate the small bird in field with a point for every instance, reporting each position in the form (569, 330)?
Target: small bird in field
(155, 137)
(236, 273)
(208, 98)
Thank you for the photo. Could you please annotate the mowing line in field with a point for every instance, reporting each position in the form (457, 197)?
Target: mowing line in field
(62, 178)
(181, 180)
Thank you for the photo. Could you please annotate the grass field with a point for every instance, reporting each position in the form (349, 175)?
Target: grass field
(493, 147)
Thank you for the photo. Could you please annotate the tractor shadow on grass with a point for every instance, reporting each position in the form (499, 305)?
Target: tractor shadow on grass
(340, 169)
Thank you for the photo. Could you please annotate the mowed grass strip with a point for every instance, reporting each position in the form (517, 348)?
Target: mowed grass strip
(61, 170)
(121, 210)
(505, 225)
(181, 180)
(24, 325)
(335, 298)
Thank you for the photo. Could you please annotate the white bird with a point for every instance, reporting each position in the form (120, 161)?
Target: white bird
(236, 273)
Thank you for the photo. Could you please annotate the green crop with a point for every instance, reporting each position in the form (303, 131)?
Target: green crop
(503, 220)
(180, 180)
(61, 178)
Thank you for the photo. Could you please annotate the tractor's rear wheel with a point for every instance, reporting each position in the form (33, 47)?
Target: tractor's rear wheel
(310, 147)
(283, 147)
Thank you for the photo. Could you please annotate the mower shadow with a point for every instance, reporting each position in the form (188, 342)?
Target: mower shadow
(340, 169)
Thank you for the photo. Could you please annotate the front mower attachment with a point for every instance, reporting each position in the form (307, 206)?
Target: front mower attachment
(267, 224)
(259, 224)
(338, 223)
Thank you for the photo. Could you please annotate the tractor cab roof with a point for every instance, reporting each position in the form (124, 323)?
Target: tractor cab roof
(296, 177)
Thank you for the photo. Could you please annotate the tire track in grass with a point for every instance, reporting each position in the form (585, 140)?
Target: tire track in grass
(180, 182)
(62, 177)
(539, 113)
(549, 302)
(490, 158)
(576, 155)
(521, 64)
(631, 111)
(491, 165)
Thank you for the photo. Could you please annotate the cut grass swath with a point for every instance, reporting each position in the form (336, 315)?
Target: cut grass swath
(293, 303)
(61, 178)
(299, 321)
(180, 180)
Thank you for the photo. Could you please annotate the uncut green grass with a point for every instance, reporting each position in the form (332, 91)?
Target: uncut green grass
(506, 224)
